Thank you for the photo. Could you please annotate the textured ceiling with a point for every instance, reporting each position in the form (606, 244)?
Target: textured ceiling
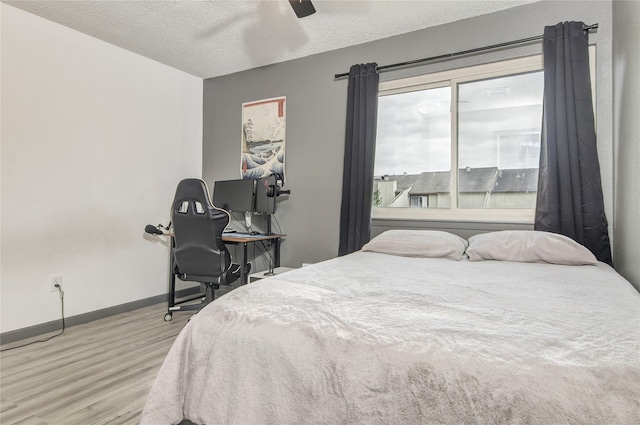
(218, 37)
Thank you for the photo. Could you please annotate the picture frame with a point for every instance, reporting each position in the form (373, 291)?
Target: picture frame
(263, 138)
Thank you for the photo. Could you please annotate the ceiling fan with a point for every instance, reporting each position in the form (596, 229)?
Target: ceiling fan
(302, 8)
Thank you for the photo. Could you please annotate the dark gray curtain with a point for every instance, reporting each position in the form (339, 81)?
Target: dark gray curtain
(569, 188)
(359, 154)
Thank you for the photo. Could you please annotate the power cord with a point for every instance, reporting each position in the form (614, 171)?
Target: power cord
(61, 292)
(279, 229)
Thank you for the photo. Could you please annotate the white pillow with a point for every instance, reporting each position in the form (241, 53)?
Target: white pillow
(529, 246)
(418, 243)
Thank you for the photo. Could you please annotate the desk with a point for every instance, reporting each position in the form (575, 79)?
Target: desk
(237, 239)
(245, 240)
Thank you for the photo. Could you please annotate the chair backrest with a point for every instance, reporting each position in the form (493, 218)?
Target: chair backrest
(199, 254)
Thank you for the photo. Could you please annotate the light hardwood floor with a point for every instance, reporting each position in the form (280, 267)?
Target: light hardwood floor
(95, 373)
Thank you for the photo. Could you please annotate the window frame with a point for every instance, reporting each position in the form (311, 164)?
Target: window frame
(451, 78)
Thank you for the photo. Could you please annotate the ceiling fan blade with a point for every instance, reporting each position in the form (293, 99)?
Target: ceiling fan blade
(302, 8)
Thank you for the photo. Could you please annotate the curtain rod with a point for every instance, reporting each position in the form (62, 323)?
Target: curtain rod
(465, 52)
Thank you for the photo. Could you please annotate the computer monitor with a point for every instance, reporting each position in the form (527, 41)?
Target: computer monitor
(264, 203)
(234, 195)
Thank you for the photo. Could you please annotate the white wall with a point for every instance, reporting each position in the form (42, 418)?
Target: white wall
(626, 97)
(94, 140)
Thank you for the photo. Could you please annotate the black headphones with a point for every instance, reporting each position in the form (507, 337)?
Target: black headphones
(274, 190)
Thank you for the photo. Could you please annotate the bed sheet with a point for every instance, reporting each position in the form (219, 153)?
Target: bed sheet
(370, 338)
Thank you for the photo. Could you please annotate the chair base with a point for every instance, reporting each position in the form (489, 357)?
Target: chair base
(232, 275)
(179, 306)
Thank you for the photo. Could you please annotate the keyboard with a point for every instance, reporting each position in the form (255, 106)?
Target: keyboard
(241, 235)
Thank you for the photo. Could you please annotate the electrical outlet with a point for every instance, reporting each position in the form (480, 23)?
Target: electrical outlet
(54, 280)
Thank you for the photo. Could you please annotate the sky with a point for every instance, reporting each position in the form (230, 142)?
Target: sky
(498, 118)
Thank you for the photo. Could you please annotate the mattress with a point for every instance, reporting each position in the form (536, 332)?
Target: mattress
(371, 338)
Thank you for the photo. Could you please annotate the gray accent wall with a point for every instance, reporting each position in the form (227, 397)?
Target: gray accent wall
(316, 109)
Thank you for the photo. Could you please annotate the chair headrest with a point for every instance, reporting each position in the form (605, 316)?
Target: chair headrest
(193, 189)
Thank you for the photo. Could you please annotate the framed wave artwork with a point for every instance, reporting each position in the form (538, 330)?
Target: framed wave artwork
(263, 138)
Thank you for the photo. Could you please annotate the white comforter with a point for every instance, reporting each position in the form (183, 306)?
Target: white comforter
(371, 338)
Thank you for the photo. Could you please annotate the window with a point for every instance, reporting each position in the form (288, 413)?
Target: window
(472, 132)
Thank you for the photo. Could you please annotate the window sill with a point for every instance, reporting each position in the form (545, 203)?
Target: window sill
(422, 214)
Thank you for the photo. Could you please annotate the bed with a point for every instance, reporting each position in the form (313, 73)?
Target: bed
(419, 327)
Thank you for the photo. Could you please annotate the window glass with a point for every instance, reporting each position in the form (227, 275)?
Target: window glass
(499, 123)
(484, 146)
(413, 137)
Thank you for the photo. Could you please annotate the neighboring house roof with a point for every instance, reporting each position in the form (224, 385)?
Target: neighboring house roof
(476, 179)
(471, 180)
(431, 182)
(518, 180)
(403, 181)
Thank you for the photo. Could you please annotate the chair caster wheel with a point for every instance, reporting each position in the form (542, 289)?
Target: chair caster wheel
(168, 317)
